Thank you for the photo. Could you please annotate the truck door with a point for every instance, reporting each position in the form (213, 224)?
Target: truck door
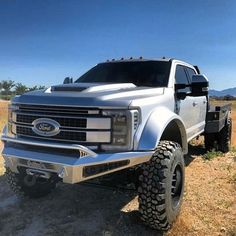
(188, 108)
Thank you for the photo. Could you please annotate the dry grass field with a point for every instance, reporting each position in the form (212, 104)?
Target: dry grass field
(209, 206)
(3, 114)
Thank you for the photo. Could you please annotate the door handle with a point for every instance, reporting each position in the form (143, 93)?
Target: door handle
(195, 104)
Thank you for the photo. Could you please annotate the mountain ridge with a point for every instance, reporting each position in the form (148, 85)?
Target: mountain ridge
(224, 92)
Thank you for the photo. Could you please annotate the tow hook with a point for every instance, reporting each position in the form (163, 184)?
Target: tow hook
(38, 173)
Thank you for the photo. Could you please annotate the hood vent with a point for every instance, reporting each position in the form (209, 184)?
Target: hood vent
(90, 87)
(61, 88)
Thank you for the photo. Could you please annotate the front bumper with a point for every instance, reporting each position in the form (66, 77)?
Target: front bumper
(83, 164)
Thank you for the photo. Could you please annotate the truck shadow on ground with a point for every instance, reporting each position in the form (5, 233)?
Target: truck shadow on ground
(76, 210)
(193, 152)
(71, 210)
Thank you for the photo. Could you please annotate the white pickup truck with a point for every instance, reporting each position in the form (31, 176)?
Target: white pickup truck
(121, 114)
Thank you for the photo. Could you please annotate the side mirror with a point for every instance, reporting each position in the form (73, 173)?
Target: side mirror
(68, 80)
(199, 85)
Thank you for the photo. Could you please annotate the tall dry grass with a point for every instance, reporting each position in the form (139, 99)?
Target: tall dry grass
(3, 114)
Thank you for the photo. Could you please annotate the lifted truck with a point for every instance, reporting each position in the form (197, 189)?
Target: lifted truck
(122, 114)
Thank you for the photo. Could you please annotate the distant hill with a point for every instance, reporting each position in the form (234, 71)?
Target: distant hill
(217, 93)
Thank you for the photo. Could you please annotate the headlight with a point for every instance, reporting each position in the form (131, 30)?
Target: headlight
(124, 125)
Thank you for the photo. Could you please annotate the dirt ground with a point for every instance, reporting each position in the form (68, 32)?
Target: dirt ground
(209, 206)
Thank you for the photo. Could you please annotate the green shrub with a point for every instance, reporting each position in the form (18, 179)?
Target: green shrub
(210, 155)
(6, 97)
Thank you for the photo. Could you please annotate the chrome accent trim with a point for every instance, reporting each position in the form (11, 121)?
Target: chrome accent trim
(54, 107)
(66, 105)
(91, 136)
(99, 123)
(13, 128)
(13, 116)
(82, 153)
(98, 137)
(49, 145)
(93, 112)
(92, 122)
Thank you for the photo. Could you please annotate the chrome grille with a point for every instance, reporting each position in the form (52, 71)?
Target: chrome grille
(77, 125)
(63, 121)
(70, 136)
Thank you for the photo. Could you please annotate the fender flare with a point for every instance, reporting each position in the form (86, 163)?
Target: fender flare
(156, 125)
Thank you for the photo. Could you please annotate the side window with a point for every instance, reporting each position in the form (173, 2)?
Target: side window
(181, 77)
(191, 72)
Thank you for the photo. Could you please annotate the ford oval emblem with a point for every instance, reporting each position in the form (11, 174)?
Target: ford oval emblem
(46, 127)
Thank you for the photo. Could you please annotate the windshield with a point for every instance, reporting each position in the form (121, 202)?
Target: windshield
(141, 73)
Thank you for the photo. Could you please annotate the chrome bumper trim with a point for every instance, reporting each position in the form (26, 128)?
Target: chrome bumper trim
(49, 145)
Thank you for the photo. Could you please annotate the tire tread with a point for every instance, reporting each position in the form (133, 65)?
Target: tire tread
(154, 214)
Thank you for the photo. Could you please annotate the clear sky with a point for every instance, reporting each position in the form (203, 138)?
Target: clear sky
(43, 41)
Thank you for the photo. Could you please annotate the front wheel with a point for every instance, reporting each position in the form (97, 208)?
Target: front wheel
(24, 185)
(162, 186)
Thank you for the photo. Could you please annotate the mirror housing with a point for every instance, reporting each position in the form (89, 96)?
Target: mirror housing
(199, 86)
(180, 86)
(180, 94)
(68, 80)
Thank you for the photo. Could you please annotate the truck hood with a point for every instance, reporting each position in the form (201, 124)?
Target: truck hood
(89, 94)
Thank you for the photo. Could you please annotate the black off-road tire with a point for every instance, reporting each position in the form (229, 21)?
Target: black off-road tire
(210, 141)
(162, 186)
(224, 137)
(24, 185)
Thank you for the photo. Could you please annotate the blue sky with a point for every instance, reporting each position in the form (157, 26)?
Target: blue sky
(43, 41)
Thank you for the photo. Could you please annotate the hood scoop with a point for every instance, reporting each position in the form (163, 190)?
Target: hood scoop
(68, 88)
(90, 87)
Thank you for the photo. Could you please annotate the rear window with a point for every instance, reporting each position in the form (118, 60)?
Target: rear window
(140, 73)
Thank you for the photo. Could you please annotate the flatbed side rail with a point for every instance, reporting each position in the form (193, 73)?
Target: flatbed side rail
(216, 118)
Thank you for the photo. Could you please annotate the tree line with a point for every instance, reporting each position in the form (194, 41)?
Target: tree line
(9, 88)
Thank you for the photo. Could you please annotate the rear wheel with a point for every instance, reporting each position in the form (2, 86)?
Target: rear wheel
(24, 185)
(224, 137)
(162, 186)
(220, 141)
(210, 141)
